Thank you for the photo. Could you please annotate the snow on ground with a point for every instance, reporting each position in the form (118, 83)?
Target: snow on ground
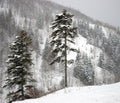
(91, 51)
(92, 26)
(89, 94)
(105, 31)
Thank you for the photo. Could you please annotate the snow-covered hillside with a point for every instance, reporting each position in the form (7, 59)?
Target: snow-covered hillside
(89, 94)
(98, 44)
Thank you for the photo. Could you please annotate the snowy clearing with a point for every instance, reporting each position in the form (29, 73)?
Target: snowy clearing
(89, 94)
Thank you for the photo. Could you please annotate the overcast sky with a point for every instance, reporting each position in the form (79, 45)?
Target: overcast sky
(104, 10)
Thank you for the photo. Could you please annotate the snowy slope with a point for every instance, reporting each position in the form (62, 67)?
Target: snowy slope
(35, 16)
(93, 38)
(90, 94)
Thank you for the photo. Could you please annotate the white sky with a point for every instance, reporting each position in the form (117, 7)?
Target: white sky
(103, 10)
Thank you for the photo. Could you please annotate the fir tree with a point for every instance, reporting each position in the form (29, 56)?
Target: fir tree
(84, 69)
(18, 69)
(62, 35)
(101, 61)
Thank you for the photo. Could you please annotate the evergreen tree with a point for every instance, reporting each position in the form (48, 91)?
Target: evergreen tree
(84, 69)
(62, 35)
(18, 69)
(101, 61)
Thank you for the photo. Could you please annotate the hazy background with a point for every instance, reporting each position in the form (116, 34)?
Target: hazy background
(107, 11)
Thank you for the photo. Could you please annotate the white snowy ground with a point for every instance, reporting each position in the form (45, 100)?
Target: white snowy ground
(90, 94)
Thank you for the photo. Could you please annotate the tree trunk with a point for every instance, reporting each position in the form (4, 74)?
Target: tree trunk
(22, 92)
(22, 88)
(66, 61)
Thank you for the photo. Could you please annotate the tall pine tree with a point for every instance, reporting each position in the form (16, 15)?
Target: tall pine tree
(63, 34)
(18, 69)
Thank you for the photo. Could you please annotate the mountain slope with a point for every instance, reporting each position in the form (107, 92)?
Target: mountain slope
(90, 94)
(98, 44)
